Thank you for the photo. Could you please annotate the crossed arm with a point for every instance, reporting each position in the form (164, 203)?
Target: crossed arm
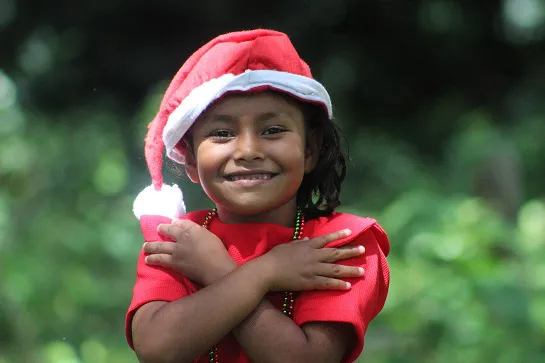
(182, 330)
(233, 300)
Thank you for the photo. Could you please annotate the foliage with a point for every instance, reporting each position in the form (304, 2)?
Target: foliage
(446, 139)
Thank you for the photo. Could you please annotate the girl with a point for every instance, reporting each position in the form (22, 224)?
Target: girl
(255, 278)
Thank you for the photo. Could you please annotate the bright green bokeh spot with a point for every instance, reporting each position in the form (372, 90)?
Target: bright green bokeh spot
(8, 91)
(60, 352)
(16, 154)
(93, 351)
(111, 175)
(532, 226)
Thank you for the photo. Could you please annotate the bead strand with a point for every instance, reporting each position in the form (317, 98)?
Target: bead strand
(289, 298)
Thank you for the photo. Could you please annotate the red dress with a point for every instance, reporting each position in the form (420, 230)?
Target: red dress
(357, 306)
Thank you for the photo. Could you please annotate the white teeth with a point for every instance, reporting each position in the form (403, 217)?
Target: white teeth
(251, 177)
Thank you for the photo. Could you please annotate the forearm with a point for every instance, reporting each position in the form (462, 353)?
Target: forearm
(268, 336)
(185, 329)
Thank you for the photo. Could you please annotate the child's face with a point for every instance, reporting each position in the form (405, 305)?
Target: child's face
(249, 154)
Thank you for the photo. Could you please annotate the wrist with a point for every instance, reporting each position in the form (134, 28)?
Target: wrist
(263, 268)
(221, 271)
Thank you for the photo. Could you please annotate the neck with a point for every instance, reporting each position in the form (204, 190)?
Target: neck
(283, 215)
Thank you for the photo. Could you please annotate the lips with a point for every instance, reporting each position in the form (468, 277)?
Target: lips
(257, 175)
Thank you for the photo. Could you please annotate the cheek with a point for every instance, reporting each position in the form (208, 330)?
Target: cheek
(210, 159)
(294, 153)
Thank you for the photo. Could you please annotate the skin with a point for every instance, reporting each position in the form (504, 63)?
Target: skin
(243, 134)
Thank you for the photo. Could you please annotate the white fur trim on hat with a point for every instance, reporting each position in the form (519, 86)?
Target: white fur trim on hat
(167, 202)
(201, 97)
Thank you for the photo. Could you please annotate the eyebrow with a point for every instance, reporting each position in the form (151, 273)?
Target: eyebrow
(262, 117)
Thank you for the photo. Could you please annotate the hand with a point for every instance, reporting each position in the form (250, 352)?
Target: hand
(197, 253)
(307, 265)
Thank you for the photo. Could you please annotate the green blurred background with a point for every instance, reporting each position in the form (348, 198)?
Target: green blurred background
(442, 103)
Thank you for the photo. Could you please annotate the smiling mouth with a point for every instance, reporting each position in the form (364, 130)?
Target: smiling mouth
(257, 176)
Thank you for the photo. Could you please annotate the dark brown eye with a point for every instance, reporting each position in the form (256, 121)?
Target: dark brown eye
(220, 134)
(273, 130)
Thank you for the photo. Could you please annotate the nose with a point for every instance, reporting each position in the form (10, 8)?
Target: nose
(248, 147)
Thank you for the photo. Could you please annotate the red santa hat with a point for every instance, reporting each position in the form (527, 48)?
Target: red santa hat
(246, 61)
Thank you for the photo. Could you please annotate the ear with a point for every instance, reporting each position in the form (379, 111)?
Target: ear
(312, 150)
(191, 164)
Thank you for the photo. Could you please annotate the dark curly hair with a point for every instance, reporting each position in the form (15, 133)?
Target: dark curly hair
(319, 193)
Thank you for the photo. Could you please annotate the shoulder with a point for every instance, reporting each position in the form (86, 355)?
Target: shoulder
(339, 220)
(360, 227)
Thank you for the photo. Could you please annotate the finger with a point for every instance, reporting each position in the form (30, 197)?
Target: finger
(184, 228)
(341, 253)
(340, 271)
(319, 242)
(160, 259)
(300, 240)
(159, 247)
(327, 283)
(169, 230)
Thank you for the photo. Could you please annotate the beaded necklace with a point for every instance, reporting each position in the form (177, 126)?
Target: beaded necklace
(289, 299)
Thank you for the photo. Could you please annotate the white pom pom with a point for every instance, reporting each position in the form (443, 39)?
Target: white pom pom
(167, 202)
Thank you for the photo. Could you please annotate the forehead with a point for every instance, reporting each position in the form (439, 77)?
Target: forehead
(253, 104)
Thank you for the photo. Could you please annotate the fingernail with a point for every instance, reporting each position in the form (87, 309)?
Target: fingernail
(144, 245)
(361, 249)
(347, 284)
(347, 232)
(361, 271)
(146, 259)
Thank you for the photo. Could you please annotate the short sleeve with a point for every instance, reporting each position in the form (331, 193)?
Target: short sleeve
(153, 283)
(366, 298)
